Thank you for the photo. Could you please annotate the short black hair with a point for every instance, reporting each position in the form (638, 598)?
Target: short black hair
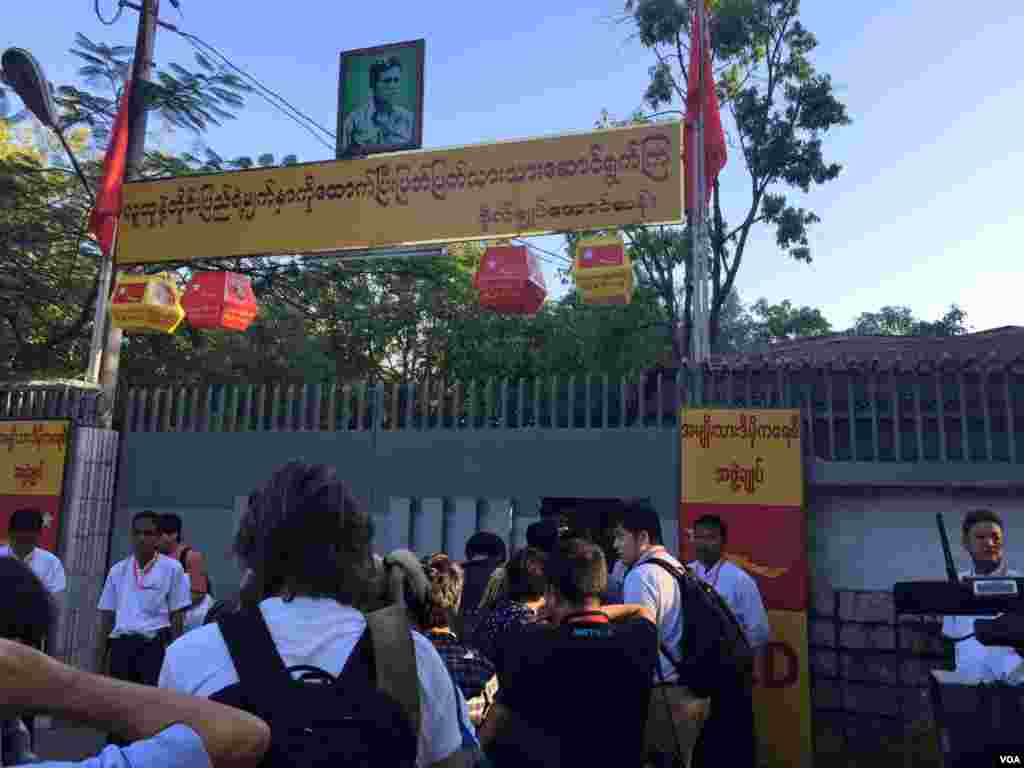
(304, 532)
(578, 570)
(543, 535)
(27, 520)
(640, 515)
(713, 521)
(26, 608)
(486, 543)
(983, 515)
(170, 523)
(525, 575)
(148, 514)
(381, 66)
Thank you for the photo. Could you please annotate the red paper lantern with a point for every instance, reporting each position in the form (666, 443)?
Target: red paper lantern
(220, 300)
(510, 281)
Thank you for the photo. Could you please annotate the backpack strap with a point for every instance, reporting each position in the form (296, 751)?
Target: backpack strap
(395, 659)
(252, 648)
(665, 565)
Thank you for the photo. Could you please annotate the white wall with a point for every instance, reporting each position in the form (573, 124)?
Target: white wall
(871, 540)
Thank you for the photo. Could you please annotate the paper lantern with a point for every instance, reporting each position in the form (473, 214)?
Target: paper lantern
(604, 272)
(220, 300)
(146, 304)
(510, 281)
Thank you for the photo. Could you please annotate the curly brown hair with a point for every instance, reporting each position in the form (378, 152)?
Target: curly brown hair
(305, 534)
(446, 582)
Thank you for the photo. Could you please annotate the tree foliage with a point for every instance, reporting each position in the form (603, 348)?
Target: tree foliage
(781, 107)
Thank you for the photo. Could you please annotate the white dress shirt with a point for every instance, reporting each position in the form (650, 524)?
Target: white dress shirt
(46, 565)
(143, 600)
(654, 587)
(983, 663)
(739, 591)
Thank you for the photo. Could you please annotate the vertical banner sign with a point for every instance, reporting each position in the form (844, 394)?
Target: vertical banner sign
(32, 460)
(746, 467)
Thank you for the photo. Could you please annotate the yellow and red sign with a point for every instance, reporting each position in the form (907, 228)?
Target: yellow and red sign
(32, 459)
(746, 467)
(146, 303)
(742, 457)
(603, 271)
(588, 181)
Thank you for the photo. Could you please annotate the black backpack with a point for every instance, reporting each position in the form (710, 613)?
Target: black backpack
(367, 716)
(715, 655)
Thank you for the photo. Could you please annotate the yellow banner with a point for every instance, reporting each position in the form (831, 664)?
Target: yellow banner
(782, 694)
(743, 456)
(32, 455)
(603, 179)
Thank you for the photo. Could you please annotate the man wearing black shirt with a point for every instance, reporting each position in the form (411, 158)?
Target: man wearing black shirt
(552, 707)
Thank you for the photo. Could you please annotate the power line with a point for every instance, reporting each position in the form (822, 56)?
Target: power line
(288, 109)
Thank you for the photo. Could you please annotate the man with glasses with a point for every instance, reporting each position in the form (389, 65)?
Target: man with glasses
(142, 607)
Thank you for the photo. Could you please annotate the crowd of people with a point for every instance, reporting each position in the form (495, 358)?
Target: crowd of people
(334, 654)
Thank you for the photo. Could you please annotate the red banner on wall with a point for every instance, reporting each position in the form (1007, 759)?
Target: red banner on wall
(33, 454)
(769, 543)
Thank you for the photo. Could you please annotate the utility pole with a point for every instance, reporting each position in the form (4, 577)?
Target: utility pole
(142, 70)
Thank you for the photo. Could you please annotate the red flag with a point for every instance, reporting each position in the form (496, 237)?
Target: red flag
(702, 102)
(103, 219)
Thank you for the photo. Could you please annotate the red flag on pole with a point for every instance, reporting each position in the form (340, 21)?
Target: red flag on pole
(103, 219)
(702, 101)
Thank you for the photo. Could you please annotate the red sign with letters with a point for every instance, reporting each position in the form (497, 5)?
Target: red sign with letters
(220, 300)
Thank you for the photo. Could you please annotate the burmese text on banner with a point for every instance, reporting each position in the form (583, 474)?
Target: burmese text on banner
(32, 460)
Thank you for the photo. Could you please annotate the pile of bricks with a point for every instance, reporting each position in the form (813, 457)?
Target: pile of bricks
(869, 675)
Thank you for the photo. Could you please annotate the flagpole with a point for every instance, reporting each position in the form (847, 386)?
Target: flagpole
(99, 322)
(699, 342)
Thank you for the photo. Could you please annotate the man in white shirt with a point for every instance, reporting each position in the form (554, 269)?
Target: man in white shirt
(24, 530)
(737, 588)
(142, 607)
(983, 540)
(307, 542)
(676, 716)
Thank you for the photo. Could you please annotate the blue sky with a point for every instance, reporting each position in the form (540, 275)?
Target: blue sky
(928, 211)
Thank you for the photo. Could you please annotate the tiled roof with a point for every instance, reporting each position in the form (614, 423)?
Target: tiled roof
(997, 347)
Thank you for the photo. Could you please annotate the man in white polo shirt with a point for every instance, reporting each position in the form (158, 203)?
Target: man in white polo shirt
(736, 586)
(142, 607)
(24, 530)
(23, 533)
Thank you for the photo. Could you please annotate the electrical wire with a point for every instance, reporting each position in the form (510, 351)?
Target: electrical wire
(561, 257)
(286, 107)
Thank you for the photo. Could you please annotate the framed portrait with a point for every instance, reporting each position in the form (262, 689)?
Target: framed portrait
(380, 99)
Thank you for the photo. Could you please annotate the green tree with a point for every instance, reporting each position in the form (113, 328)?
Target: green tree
(780, 106)
(901, 321)
(48, 260)
(785, 322)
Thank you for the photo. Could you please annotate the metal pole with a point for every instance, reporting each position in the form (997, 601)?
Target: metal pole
(100, 316)
(142, 68)
(700, 307)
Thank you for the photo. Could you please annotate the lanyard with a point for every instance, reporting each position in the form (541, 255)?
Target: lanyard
(140, 576)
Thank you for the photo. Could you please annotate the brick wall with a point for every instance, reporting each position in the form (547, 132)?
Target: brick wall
(869, 679)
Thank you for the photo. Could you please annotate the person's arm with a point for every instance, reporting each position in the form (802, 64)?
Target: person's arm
(103, 644)
(177, 624)
(640, 591)
(755, 617)
(628, 611)
(198, 581)
(30, 681)
(179, 600)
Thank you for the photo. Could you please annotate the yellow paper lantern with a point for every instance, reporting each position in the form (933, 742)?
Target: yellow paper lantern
(604, 272)
(146, 304)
